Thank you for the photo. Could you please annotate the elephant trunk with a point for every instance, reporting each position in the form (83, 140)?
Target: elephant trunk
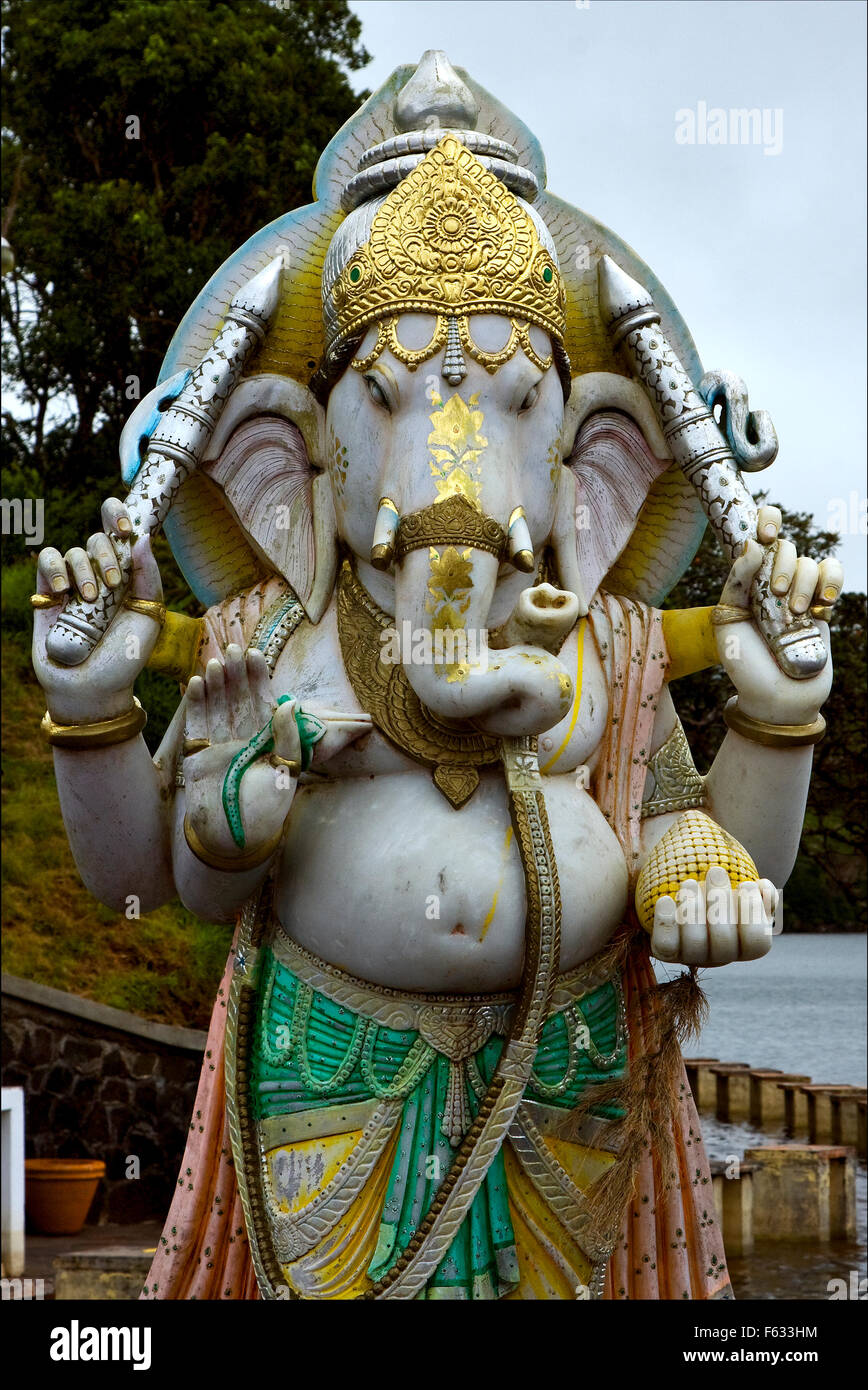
(443, 595)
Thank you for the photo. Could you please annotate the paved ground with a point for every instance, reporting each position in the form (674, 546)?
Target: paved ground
(40, 1252)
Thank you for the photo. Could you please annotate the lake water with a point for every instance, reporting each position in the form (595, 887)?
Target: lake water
(802, 1008)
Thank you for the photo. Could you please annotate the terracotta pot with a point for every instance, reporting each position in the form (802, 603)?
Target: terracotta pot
(59, 1192)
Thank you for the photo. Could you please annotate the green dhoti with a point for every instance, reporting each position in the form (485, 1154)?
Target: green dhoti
(388, 1084)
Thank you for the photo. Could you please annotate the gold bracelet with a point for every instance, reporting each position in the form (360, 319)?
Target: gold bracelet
(149, 607)
(227, 864)
(102, 733)
(772, 735)
(724, 613)
(292, 764)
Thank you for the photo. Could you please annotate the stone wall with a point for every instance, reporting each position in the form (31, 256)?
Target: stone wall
(101, 1083)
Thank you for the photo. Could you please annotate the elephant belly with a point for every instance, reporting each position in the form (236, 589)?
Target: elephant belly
(382, 878)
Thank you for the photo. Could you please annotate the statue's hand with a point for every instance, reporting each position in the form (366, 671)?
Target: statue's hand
(710, 923)
(102, 685)
(765, 691)
(225, 709)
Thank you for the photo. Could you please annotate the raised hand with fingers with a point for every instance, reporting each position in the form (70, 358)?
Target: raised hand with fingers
(102, 685)
(243, 753)
(765, 692)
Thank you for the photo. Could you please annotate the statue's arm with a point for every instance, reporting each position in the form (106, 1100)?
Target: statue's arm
(116, 814)
(214, 894)
(709, 918)
(179, 824)
(758, 784)
(131, 840)
(757, 794)
(228, 830)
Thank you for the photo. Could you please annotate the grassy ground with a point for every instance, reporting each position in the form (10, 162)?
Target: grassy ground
(167, 965)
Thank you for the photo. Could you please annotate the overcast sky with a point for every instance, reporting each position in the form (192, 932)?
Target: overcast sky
(764, 254)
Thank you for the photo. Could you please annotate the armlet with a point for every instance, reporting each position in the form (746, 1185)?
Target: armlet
(672, 782)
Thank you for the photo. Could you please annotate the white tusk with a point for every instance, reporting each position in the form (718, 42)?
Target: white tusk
(385, 533)
(520, 545)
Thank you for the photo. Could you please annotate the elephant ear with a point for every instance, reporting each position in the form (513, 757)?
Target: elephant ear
(626, 516)
(264, 473)
(603, 488)
(257, 505)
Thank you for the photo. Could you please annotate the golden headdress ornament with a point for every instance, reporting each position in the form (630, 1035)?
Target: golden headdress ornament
(449, 240)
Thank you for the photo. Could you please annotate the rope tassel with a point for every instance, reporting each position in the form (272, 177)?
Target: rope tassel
(456, 1114)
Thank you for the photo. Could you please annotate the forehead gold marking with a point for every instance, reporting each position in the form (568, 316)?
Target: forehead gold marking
(456, 445)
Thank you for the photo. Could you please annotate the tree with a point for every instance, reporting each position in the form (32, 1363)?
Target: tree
(143, 140)
(828, 886)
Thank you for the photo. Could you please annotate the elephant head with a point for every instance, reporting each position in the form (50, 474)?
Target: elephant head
(446, 494)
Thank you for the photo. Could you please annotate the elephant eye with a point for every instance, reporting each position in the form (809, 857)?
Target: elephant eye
(376, 392)
(529, 400)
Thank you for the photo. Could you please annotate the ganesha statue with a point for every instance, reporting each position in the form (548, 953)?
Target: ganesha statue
(431, 452)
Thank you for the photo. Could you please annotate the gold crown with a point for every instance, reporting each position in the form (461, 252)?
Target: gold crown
(449, 240)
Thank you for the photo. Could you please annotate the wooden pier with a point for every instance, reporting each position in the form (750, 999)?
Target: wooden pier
(802, 1190)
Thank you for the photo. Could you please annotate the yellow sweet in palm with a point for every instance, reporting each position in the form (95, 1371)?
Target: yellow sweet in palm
(689, 849)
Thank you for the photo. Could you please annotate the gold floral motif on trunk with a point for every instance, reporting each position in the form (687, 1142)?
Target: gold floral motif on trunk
(456, 444)
(450, 584)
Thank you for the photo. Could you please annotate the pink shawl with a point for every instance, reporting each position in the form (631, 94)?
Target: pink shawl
(670, 1244)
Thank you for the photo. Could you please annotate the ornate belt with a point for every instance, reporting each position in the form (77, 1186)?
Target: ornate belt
(455, 1024)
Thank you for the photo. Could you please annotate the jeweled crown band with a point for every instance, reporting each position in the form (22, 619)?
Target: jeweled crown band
(452, 522)
(387, 337)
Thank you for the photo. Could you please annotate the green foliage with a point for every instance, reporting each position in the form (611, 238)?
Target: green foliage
(827, 890)
(159, 696)
(229, 105)
(18, 583)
